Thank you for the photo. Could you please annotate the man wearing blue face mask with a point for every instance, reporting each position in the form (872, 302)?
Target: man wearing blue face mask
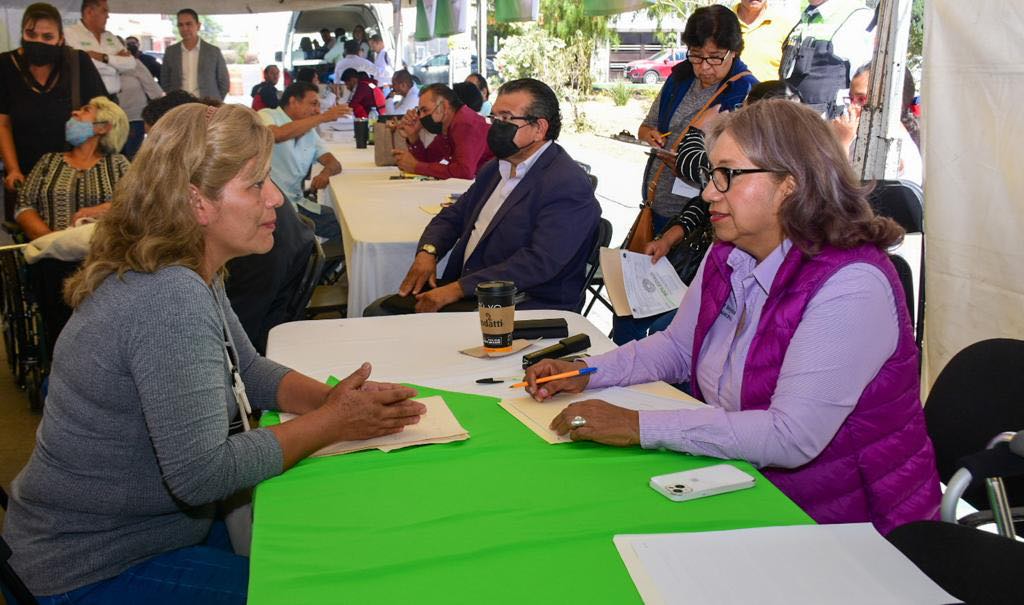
(530, 217)
(461, 137)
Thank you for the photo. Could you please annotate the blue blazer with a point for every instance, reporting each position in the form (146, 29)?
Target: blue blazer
(541, 237)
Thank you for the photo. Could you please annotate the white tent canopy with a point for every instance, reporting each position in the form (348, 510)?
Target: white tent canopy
(208, 7)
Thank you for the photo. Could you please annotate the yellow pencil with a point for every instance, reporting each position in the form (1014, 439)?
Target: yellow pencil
(664, 134)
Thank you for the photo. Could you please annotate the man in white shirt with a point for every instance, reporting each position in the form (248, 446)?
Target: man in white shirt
(353, 60)
(403, 85)
(382, 59)
(293, 124)
(90, 34)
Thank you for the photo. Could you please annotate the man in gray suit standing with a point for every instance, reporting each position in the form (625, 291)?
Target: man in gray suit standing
(194, 65)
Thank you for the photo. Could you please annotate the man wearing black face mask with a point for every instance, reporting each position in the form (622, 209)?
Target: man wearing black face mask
(151, 63)
(530, 217)
(461, 137)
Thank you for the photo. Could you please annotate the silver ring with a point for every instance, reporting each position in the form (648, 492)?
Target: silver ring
(577, 422)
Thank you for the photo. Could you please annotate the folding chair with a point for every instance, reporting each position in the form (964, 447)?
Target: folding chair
(593, 283)
(310, 278)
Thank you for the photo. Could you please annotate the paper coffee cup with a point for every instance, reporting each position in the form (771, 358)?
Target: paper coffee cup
(497, 303)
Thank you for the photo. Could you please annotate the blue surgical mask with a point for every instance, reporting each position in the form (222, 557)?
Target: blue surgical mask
(77, 132)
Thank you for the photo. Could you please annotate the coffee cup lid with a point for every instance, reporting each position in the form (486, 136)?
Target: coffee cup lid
(496, 288)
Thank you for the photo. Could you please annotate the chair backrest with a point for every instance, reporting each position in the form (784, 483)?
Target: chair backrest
(3, 499)
(906, 280)
(593, 181)
(901, 201)
(310, 278)
(603, 239)
(584, 166)
(10, 580)
(977, 396)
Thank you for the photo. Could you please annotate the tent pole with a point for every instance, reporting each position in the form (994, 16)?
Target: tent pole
(481, 42)
(878, 142)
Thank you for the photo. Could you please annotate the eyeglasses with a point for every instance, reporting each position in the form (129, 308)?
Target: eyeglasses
(713, 61)
(722, 177)
(508, 118)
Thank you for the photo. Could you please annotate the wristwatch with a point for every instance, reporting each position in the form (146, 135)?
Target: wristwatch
(429, 249)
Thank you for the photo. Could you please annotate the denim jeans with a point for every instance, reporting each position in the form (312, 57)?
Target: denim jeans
(628, 328)
(200, 575)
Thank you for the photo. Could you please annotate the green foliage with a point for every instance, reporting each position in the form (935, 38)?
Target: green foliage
(915, 48)
(674, 8)
(532, 54)
(620, 92)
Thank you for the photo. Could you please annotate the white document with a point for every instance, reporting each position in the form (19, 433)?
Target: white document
(650, 288)
(537, 416)
(437, 425)
(684, 189)
(821, 564)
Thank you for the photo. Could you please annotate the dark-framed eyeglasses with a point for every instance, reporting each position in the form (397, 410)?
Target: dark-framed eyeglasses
(508, 118)
(722, 177)
(713, 61)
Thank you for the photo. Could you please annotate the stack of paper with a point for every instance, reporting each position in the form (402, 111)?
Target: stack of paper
(537, 416)
(638, 287)
(437, 425)
(836, 564)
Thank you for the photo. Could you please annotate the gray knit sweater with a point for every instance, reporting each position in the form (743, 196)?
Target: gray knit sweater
(133, 449)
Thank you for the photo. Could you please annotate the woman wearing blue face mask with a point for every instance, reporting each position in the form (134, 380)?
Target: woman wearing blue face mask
(66, 187)
(36, 96)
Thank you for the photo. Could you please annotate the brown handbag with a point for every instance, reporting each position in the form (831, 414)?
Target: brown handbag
(642, 231)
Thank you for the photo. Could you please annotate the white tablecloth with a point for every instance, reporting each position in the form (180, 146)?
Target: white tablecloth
(420, 349)
(381, 221)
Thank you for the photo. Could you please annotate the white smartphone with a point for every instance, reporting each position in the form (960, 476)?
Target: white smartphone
(707, 481)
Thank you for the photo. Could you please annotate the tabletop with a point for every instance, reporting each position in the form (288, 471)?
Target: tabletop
(502, 517)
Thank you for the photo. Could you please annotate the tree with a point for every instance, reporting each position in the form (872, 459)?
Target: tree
(580, 32)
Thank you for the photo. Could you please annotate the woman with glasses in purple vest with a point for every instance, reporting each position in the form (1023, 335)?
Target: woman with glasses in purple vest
(795, 332)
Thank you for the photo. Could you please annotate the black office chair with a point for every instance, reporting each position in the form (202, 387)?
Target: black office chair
(10, 581)
(901, 201)
(906, 280)
(604, 238)
(975, 397)
(593, 181)
(972, 565)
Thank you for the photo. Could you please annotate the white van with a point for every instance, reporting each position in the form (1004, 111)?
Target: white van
(308, 23)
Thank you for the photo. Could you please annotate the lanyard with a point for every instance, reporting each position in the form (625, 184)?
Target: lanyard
(237, 386)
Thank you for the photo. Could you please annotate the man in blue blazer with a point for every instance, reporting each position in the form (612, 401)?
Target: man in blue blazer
(530, 217)
(193, 65)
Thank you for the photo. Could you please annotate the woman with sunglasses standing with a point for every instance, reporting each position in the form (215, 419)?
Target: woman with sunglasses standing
(795, 332)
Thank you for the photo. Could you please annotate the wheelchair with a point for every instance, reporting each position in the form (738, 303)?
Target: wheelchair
(22, 321)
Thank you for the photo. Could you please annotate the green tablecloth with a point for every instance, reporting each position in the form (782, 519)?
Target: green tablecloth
(500, 518)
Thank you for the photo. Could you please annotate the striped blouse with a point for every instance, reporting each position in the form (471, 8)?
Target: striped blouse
(57, 190)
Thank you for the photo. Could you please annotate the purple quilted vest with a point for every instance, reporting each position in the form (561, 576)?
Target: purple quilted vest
(880, 466)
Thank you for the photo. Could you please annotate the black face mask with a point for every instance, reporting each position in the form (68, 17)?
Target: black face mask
(431, 125)
(501, 139)
(39, 53)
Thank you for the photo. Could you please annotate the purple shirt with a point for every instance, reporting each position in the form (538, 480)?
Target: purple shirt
(847, 332)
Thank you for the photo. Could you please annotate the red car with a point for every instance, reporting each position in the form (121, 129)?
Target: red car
(655, 68)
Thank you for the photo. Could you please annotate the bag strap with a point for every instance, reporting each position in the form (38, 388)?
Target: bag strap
(653, 185)
(76, 77)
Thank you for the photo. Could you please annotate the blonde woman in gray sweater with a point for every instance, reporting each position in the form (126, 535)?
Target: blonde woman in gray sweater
(135, 448)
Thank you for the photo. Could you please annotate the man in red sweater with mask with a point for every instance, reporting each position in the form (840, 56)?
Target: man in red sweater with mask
(459, 137)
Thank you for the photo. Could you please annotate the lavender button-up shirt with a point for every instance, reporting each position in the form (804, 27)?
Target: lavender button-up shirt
(847, 332)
